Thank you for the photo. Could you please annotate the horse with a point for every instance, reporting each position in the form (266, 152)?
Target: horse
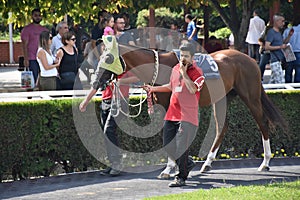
(240, 76)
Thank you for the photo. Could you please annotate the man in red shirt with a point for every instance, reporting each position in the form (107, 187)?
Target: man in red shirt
(181, 120)
(30, 41)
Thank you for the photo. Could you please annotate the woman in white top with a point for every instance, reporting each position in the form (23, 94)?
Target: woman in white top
(47, 62)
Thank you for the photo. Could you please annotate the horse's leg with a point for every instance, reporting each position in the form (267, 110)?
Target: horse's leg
(221, 128)
(260, 118)
(254, 102)
(165, 174)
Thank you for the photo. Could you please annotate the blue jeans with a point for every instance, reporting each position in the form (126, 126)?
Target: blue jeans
(34, 67)
(177, 138)
(264, 60)
(294, 65)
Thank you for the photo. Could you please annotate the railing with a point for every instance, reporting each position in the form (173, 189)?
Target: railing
(288, 86)
(58, 94)
(48, 95)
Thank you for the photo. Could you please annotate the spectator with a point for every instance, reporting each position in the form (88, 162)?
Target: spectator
(264, 54)
(109, 24)
(191, 31)
(97, 31)
(61, 28)
(129, 28)
(274, 43)
(68, 69)
(174, 37)
(122, 36)
(213, 45)
(295, 43)
(181, 119)
(231, 41)
(256, 27)
(30, 41)
(143, 37)
(47, 62)
(90, 60)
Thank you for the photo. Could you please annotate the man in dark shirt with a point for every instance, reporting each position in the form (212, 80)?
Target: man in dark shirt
(122, 37)
(275, 43)
(98, 30)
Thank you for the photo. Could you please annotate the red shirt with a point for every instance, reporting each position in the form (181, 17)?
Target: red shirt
(107, 93)
(184, 105)
(31, 33)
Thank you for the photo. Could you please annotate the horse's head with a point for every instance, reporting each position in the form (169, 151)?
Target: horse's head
(103, 78)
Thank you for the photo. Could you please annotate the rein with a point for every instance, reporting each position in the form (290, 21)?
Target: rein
(117, 94)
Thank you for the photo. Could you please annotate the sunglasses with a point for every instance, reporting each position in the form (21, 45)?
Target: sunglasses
(50, 38)
(74, 39)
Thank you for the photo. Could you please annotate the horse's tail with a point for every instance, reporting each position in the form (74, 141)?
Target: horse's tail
(273, 115)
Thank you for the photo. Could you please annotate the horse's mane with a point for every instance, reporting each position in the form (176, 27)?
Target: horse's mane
(136, 48)
(133, 47)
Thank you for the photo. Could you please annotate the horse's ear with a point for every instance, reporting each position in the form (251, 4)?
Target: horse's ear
(122, 63)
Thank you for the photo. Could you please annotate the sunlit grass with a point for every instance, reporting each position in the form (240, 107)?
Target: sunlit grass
(284, 190)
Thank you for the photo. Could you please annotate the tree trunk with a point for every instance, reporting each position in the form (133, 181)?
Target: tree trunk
(206, 11)
(238, 28)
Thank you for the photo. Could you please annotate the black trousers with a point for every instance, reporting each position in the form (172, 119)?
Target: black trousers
(177, 138)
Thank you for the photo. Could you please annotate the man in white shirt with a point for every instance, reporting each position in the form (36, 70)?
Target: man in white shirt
(256, 27)
(61, 28)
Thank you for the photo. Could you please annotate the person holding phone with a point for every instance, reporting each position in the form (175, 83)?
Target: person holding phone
(181, 120)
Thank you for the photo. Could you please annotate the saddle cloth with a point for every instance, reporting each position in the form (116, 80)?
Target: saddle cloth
(206, 63)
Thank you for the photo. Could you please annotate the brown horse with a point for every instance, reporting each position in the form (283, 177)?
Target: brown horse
(239, 75)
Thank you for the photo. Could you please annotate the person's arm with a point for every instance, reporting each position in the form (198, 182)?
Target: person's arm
(194, 32)
(42, 56)
(274, 48)
(187, 80)
(163, 88)
(85, 102)
(287, 39)
(59, 54)
(25, 52)
(131, 43)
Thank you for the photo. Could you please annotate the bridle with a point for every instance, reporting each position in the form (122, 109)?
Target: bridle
(117, 94)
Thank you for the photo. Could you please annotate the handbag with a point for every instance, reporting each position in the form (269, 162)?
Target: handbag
(27, 79)
(67, 78)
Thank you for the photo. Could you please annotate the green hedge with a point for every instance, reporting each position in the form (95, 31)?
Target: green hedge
(36, 135)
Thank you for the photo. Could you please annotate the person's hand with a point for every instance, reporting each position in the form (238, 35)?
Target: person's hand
(283, 46)
(291, 32)
(183, 66)
(148, 88)
(57, 60)
(82, 106)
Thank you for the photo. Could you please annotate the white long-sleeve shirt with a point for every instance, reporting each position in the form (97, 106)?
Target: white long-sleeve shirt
(256, 27)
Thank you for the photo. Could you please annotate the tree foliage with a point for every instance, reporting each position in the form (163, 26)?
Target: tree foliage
(54, 10)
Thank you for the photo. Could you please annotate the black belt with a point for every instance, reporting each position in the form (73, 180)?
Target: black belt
(108, 101)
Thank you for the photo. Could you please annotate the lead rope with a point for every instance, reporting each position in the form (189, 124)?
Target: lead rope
(116, 105)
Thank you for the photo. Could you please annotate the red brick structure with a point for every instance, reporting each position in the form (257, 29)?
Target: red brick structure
(4, 51)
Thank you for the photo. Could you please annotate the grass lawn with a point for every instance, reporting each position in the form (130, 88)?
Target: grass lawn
(278, 191)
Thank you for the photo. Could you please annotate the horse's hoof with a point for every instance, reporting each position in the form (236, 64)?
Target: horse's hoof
(164, 176)
(264, 169)
(205, 168)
